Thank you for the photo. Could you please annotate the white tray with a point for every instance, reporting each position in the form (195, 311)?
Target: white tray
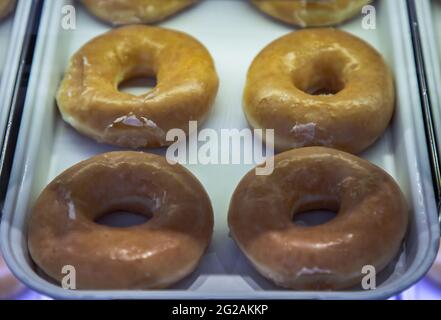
(429, 19)
(234, 32)
(12, 35)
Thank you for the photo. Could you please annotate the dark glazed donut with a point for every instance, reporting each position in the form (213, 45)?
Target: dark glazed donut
(368, 230)
(62, 228)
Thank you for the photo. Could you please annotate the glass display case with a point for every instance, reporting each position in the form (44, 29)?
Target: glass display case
(38, 40)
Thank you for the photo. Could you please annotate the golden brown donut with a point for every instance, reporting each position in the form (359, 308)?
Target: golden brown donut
(6, 7)
(121, 12)
(321, 87)
(310, 13)
(369, 227)
(9, 285)
(186, 87)
(62, 229)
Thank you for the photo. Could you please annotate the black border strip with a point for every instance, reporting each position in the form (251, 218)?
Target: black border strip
(18, 98)
(425, 103)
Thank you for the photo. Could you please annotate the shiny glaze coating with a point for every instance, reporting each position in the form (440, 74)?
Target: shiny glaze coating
(121, 12)
(6, 7)
(306, 13)
(284, 77)
(186, 87)
(9, 285)
(369, 227)
(62, 229)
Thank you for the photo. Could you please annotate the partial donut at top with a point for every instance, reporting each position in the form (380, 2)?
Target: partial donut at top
(310, 13)
(123, 12)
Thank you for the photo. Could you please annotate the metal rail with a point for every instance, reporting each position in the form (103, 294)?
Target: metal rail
(18, 99)
(425, 103)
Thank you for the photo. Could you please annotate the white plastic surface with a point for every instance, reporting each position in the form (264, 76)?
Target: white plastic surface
(234, 32)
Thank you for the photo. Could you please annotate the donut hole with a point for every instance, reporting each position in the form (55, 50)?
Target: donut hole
(313, 218)
(315, 210)
(325, 85)
(123, 219)
(322, 76)
(138, 85)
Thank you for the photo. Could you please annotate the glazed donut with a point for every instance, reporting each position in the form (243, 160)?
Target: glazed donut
(369, 227)
(62, 228)
(6, 7)
(321, 87)
(186, 87)
(9, 285)
(311, 13)
(434, 273)
(121, 12)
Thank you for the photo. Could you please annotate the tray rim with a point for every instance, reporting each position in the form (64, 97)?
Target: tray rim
(432, 67)
(13, 62)
(424, 197)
